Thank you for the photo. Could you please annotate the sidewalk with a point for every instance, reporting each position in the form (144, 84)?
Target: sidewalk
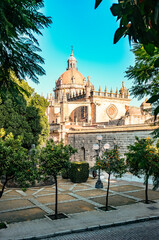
(80, 202)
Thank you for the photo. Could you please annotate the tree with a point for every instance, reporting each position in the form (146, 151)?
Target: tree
(146, 77)
(23, 113)
(139, 20)
(111, 163)
(143, 158)
(19, 21)
(15, 163)
(52, 160)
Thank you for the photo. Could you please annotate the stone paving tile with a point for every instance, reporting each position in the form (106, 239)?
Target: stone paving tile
(73, 207)
(50, 189)
(112, 182)
(125, 188)
(11, 204)
(114, 200)
(44, 192)
(11, 193)
(65, 187)
(5, 197)
(22, 215)
(121, 182)
(51, 198)
(81, 187)
(90, 193)
(152, 195)
(30, 192)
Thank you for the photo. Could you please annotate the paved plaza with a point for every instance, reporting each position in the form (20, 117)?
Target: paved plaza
(36, 202)
(26, 212)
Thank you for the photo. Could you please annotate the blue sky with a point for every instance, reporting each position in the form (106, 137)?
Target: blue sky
(91, 32)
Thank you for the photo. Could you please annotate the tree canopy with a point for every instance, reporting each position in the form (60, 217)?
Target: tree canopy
(111, 163)
(19, 22)
(52, 159)
(145, 76)
(24, 115)
(143, 158)
(139, 20)
(15, 163)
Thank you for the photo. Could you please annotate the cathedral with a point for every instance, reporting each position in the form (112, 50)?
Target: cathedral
(76, 105)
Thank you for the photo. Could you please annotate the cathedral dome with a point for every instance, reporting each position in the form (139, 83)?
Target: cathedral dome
(72, 75)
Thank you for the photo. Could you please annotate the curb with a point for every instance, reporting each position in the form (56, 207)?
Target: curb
(92, 228)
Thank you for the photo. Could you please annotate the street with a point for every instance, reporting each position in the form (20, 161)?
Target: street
(138, 231)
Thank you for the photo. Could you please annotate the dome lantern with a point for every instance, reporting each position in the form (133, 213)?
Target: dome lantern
(72, 62)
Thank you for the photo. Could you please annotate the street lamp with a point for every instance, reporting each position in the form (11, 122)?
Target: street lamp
(106, 146)
(97, 148)
(115, 142)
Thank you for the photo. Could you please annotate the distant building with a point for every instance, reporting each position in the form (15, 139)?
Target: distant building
(75, 104)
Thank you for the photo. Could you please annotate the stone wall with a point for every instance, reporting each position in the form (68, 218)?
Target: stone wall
(123, 136)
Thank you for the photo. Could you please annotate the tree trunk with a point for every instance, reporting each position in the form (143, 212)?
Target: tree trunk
(56, 197)
(106, 204)
(3, 187)
(146, 190)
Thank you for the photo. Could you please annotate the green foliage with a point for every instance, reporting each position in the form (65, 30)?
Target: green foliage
(54, 157)
(111, 162)
(146, 77)
(97, 3)
(65, 173)
(143, 158)
(15, 162)
(79, 172)
(2, 225)
(24, 114)
(139, 20)
(20, 20)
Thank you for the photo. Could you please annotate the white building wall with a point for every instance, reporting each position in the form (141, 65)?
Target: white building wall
(103, 104)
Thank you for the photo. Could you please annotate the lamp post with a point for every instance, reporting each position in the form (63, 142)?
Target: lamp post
(97, 148)
(114, 141)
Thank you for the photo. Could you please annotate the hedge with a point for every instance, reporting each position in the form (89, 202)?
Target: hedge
(79, 172)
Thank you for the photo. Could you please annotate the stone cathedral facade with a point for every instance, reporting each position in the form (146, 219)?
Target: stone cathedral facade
(75, 105)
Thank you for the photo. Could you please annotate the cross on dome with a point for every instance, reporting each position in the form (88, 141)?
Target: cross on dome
(71, 50)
